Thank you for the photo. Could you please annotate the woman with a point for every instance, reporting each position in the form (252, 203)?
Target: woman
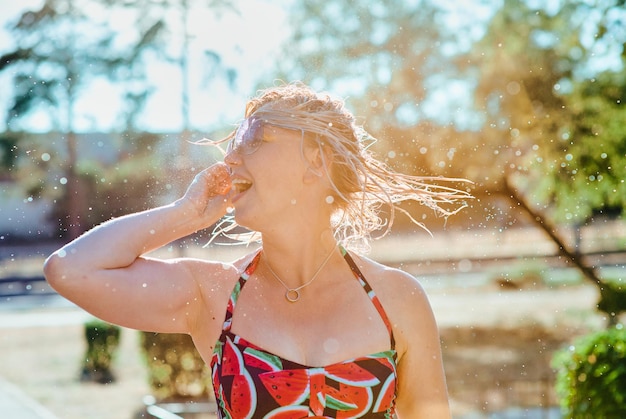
(302, 327)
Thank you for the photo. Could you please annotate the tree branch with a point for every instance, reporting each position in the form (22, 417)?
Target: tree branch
(542, 222)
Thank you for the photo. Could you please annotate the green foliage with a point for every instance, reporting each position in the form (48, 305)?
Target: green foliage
(102, 342)
(8, 145)
(385, 57)
(175, 369)
(591, 375)
(586, 164)
(54, 62)
(612, 299)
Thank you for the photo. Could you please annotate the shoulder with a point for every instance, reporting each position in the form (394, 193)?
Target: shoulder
(214, 282)
(211, 272)
(390, 283)
(403, 298)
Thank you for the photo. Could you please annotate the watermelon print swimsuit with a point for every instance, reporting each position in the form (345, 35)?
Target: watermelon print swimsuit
(252, 383)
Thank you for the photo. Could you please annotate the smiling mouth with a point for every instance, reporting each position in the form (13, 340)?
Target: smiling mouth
(240, 185)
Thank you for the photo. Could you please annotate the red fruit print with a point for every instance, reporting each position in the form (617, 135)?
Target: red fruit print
(242, 397)
(386, 395)
(287, 387)
(232, 361)
(351, 374)
(362, 397)
(288, 412)
(264, 361)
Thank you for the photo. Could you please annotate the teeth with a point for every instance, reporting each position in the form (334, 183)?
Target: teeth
(241, 184)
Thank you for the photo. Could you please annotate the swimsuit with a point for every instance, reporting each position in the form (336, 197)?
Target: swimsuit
(250, 382)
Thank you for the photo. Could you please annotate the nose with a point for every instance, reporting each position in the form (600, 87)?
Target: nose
(232, 158)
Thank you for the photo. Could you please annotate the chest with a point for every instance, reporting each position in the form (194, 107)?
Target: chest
(337, 324)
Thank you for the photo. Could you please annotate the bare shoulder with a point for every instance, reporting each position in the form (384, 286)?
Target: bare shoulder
(215, 275)
(214, 282)
(391, 284)
(403, 299)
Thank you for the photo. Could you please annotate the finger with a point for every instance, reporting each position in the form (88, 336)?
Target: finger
(220, 178)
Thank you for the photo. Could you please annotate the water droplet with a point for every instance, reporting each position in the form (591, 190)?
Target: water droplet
(144, 285)
(330, 199)
(63, 180)
(465, 265)
(45, 157)
(62, 253)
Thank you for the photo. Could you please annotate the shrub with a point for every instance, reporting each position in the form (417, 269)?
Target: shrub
(612, 299)
(591, 375)
(102, 342)
(175, 369)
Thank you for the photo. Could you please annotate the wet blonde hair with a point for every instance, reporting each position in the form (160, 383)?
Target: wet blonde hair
(362, 185)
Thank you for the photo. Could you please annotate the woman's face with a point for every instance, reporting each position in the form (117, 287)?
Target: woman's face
(268, 169)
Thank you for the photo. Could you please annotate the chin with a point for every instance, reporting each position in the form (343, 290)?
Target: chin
(244, 221)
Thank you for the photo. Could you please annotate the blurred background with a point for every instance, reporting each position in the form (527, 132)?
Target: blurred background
(102, 100)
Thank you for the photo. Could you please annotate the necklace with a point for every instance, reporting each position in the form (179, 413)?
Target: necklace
(293, 294)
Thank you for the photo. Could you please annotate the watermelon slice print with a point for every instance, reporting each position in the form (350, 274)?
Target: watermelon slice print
(289, 387)
(261, 360)
(351, 374)
(232, 361)
(386, 395)
(242, 397)
(288, 412)
(360, 397)
(241, 402)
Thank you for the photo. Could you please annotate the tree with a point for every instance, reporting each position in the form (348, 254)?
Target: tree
(380, 54)
(61, 49)
(586, 163)
(543, 96)
(67, 45)
(544, 92)
(384, 57)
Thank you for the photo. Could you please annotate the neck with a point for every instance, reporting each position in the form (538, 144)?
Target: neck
(296, 261)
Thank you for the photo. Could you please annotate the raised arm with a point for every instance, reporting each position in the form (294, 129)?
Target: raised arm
(104, 271)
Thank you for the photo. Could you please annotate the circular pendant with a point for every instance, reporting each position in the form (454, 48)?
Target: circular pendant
(292, 295)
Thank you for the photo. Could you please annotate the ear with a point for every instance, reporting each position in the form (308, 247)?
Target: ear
(317, 160)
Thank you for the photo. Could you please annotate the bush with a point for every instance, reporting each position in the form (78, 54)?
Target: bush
(102, 342)
(612, 299)
(591, 375)
(176, 372)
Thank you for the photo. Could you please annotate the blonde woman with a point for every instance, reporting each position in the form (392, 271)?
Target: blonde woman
(304, 326)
